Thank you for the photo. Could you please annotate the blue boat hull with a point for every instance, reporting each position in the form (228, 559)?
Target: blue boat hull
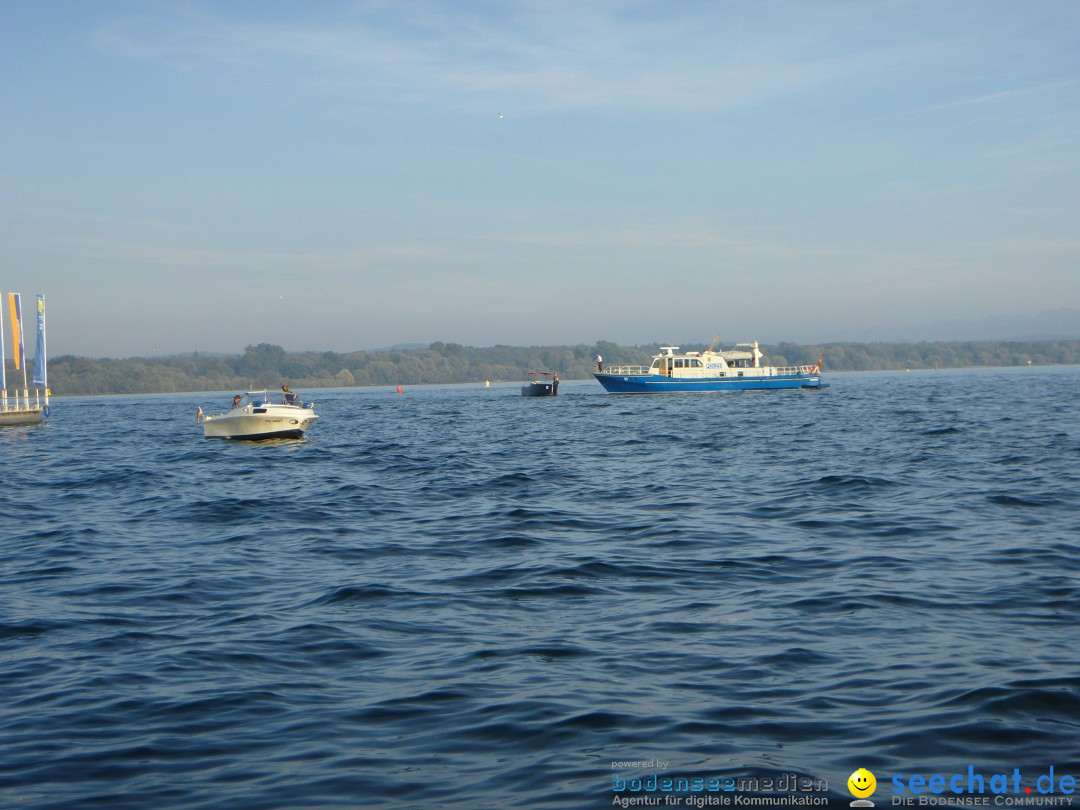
(656, 384)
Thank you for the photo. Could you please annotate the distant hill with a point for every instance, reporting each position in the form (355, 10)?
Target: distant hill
(401, 347)
(1056, 324)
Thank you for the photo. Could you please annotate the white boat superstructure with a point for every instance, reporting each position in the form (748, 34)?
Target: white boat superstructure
(254, 416)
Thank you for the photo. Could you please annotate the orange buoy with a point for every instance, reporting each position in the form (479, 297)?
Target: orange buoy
(399, 389)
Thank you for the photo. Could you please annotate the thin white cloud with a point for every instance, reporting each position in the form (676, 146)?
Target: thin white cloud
(541, 57)
(983, 99)
(165, 256)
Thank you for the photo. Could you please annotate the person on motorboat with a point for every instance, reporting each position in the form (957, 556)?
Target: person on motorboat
(237, 400)
(290, 397)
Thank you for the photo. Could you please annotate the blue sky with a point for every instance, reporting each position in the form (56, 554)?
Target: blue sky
(181, 176)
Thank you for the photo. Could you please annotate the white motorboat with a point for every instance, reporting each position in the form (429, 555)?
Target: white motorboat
(254, 416)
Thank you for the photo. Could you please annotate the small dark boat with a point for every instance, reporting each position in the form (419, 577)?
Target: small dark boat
(541, 384)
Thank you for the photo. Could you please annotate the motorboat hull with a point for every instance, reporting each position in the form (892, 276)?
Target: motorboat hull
(256, 427)
(535, 389)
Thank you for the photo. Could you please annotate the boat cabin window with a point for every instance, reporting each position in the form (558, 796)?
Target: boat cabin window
(679, 363)
(694, 363)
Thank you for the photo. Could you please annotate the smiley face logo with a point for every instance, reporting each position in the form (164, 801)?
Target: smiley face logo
(861, 783)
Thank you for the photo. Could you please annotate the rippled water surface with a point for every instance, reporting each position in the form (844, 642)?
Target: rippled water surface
(459, 597)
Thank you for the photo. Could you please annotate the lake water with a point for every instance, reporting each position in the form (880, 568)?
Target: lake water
(459, 597)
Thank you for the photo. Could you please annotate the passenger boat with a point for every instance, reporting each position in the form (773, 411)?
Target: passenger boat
(254, 416)
(541, 384)
(736, 369)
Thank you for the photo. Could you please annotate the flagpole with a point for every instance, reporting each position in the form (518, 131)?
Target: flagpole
(22, 348)
(45, 355)
(3, 359)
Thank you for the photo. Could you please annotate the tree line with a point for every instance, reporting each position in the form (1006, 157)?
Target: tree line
(268, 366)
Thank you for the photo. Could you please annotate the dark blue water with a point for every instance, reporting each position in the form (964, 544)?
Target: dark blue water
(458, 597)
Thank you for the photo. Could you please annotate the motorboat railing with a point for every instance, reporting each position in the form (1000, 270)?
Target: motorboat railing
(629, 371)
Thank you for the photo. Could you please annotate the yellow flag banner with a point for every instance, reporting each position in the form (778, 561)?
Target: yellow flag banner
(15, 308)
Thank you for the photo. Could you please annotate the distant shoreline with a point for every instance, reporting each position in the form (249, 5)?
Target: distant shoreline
(268, 366)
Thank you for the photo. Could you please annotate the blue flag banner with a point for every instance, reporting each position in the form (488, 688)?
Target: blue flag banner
(40, 376)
